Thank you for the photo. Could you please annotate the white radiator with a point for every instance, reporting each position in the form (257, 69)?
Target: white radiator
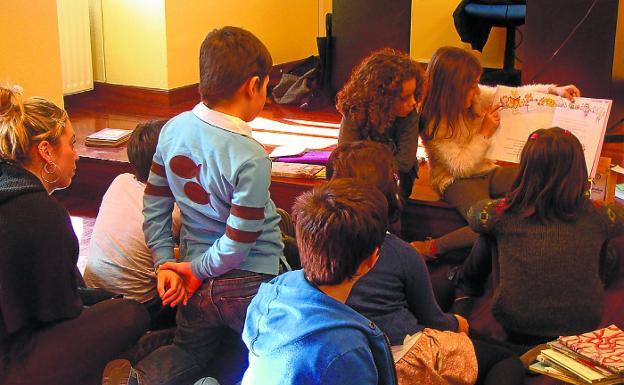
(75, 45)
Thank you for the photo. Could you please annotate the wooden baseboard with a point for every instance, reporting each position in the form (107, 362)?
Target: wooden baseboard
(150, 96)
(115, 94)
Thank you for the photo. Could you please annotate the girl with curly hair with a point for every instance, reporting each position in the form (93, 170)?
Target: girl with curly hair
(459, 118)
(379, 103)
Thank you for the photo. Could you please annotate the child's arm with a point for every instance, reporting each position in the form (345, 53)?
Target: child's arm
(419, 293)
(158, 204)
(356, 366)
(349, 131)
(614, 215)
(483, 216)
(407, 143)
(244, 224)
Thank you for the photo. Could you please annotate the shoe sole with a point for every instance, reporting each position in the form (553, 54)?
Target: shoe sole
(116, 372)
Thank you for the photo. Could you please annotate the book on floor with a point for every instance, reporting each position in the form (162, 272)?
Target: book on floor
(550, 371)
(108, 137)
(298, 170)
(595, 358)
(573, 368)
(523, 112)
(604, 347)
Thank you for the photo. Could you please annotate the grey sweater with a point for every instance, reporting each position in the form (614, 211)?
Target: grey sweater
(548, 273)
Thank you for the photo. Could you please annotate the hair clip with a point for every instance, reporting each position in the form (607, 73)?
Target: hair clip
(533, 136)
(566, 132)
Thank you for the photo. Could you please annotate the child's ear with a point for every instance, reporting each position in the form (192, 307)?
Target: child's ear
(254, 84)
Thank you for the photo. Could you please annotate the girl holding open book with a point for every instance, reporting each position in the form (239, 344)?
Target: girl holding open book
(458, 119)
(547, 244)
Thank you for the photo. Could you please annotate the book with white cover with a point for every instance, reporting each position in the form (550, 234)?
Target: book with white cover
(523, 112)
(108, 137)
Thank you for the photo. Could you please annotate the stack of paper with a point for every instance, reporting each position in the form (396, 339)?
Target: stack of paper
(108, 137)
(298, 170)
(595, 358)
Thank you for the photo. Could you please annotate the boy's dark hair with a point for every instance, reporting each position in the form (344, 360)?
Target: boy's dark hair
(338, 226)
(142, 146)
(552, 178)
(369, 162)
(227, 58)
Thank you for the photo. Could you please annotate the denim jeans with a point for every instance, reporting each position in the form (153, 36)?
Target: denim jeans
(218, 304)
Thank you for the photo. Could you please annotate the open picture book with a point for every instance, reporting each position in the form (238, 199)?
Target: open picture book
(524, 112)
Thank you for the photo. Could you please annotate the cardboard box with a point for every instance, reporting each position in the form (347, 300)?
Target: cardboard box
(603, 186)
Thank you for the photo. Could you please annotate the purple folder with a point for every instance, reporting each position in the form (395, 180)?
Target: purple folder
(310, 157)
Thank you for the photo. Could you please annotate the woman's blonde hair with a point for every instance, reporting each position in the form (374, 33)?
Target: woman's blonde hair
(451, 73)
(27, 122)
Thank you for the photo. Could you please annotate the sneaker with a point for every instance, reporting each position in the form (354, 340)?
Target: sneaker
(119, 372)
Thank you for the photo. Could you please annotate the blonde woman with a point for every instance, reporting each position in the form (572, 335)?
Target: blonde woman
(46, 336)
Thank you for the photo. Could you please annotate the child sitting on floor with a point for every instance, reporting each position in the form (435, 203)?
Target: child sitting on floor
(298, 329)
(547, 244)
(119, 260)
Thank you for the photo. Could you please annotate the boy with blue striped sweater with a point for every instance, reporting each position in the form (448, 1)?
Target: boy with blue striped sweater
(219, 176)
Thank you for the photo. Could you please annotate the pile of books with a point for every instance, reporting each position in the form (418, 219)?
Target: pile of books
(108, 137)
(595, 358)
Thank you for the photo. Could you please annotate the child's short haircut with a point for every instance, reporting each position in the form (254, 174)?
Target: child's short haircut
(227, 58)
(338, 226)
(142, 145)
(369, 162)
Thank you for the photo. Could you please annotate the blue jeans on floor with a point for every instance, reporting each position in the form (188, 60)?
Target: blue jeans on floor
(220, 303)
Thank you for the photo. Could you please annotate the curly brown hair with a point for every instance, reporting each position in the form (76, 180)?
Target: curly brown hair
(374, 86)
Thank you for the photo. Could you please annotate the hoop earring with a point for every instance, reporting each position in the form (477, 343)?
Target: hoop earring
(45, 170)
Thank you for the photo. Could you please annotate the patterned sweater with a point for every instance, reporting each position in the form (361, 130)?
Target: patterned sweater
(219, 176)
(548, 273)
(463, 155)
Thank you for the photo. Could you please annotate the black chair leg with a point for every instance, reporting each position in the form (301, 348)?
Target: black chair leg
(510, 49)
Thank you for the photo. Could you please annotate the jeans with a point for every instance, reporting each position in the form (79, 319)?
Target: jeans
(220, 303)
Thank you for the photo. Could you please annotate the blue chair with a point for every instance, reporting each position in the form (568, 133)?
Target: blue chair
(508, 16)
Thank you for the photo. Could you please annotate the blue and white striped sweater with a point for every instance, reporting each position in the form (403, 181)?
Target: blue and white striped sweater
(220, 180)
